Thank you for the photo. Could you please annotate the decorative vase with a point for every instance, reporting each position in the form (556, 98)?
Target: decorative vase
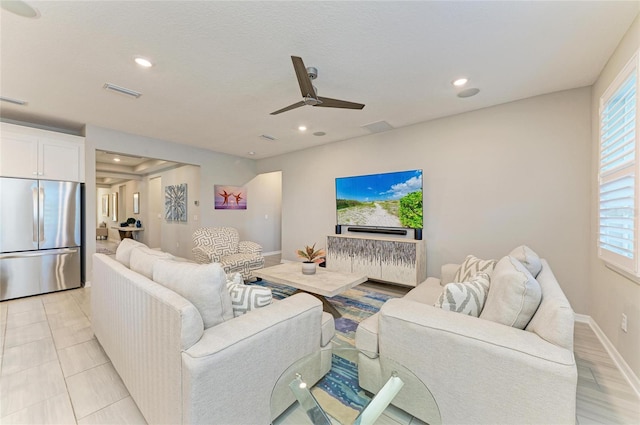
(308, 267)
(138, 223)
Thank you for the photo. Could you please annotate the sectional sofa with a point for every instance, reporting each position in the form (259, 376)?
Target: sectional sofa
(169, 329)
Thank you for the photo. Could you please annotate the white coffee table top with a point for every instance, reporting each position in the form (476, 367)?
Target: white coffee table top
(323, 282)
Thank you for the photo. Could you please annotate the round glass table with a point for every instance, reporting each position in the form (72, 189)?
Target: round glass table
(324, 389)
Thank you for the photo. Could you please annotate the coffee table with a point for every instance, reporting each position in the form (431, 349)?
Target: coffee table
(324, 283)
(338, 398)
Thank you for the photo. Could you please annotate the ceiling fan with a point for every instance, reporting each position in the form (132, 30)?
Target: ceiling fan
(310, 93)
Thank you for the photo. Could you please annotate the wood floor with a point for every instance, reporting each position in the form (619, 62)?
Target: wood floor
(53, 371)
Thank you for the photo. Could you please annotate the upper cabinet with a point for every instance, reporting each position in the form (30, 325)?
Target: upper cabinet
(33, 153)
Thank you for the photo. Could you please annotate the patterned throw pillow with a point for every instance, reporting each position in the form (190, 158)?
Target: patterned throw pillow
(465, 297)
(245, 298)
(472, 265)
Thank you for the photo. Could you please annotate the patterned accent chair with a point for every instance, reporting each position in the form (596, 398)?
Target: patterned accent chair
(223, 245)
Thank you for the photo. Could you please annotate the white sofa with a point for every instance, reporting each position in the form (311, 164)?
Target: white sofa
(478, 371)
(179, 372)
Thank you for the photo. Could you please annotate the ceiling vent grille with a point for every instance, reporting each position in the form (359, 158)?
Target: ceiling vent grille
(268, 137)
(378, 127)
(122, 90)
(14, 101)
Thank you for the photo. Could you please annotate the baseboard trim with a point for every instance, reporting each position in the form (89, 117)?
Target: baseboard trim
(264, 254)
(618, 360)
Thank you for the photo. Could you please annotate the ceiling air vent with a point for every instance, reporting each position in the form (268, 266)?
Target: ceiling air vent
(378, 127)
(268, 137)
(14, 101)
(122, 90)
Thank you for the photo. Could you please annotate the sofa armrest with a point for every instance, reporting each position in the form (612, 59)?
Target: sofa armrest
(205, 255)
(248, 247)
(241, 359)
(488, 364)
(447, 271)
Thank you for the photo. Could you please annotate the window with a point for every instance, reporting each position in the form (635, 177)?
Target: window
(619, 168)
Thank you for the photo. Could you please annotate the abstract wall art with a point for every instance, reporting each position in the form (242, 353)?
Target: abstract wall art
(175, 202)
(230, 197)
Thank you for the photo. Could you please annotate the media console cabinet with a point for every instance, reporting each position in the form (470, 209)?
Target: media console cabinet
(394, 260)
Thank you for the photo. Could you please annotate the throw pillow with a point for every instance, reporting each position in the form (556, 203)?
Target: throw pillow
(142, 259)
(245, 298)
(471, 266)
(514, 296)
(204, 285)
(465, 297)
(528, 258)
(123, 252)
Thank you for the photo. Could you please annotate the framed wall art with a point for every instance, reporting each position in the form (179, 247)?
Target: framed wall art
(105, 205)
(175, 202)
(136, 203)
(230, 197)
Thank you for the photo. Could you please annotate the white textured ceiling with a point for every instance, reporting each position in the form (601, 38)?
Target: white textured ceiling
(222, 67)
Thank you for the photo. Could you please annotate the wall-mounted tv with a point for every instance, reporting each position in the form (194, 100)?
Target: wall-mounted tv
(389, 200)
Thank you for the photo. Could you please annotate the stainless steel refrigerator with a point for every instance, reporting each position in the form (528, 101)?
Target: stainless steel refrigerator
(40, 236)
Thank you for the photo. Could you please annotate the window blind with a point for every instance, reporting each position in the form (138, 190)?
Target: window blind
(618, 166)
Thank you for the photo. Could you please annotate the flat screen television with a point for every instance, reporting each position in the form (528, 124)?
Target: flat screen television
(389, 200)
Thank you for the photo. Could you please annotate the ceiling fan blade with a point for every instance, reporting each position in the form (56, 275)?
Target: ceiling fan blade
(335, 103)
(306, 88)
(288, 108)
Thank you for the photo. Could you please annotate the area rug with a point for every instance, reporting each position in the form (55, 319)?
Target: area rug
(338, 392)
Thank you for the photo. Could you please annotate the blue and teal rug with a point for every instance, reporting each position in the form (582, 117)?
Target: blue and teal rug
(340, 386)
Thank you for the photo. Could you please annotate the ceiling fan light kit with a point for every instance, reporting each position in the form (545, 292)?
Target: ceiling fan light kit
(309, 92)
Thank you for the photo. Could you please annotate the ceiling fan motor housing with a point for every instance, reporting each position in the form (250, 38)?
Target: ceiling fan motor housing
(312, 72)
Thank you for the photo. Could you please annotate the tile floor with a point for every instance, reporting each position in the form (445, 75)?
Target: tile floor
(53, 370)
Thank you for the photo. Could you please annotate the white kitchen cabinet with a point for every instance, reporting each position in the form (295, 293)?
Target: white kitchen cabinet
(33, 153)
(395, 260)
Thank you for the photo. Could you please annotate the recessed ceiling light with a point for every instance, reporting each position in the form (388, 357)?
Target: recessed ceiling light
(116, 159)
(302, 128)
(469, 92)
(146, 63)
(460, 82)
(251, 153)
(20, 8)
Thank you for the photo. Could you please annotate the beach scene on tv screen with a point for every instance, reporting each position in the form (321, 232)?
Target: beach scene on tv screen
(381, 200)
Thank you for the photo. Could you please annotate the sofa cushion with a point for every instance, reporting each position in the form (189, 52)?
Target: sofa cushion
(554, 319)
(528, 258)
(472, 265)
(205, 285)
(465, 297)
(245, 298)
(123, 252)
(514, 296)
(142, 259)
(427, 292)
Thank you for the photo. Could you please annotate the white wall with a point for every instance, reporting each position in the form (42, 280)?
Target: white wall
(176, 235)
(495, 178)
(612, 294)
(264, 210)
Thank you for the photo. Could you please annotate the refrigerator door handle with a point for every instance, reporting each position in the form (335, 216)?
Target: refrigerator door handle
(34, 193)
(41, 213)
(38, 253)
